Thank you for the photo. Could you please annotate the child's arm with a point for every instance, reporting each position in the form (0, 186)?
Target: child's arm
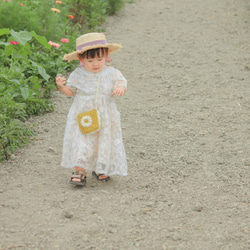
(61, 81)
(119, 83)
(119, 91)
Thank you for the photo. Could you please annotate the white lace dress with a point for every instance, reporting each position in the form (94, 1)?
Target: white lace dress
(102, 151)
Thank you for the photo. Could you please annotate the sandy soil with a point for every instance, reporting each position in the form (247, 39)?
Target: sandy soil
(186, 127)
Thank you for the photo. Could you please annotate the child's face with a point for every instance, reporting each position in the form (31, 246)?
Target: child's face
(95, 64)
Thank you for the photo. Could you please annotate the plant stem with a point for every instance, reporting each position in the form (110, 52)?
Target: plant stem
(5, 152)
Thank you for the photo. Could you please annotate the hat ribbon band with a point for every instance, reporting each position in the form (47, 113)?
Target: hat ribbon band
(98, 42)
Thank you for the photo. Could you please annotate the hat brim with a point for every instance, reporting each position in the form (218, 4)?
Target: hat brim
(113, 47)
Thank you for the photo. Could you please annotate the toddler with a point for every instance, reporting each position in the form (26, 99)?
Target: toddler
(93, 85)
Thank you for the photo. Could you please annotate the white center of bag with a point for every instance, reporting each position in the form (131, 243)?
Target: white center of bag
(86, 121)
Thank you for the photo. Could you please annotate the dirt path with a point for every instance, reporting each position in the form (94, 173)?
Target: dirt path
(186, 127)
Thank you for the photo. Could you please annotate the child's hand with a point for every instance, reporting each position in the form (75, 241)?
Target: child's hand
(60, 81)
(119, 91)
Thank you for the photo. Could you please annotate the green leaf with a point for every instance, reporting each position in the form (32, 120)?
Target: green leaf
(18, 56)
(22, 36)
(8, 50)
(25, 93)
(41, 71)
(24, 51)
(4, 32)
(16, 81)
(2, 87)
(41, 39)
(35, 83)
(3, 43)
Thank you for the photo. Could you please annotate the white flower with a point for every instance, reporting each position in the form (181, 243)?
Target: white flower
(86, 121)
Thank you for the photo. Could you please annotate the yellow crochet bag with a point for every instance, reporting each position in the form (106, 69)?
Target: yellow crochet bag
(89, 122)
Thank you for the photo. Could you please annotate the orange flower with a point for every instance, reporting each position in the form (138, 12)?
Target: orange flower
(70, 16)
(58, 1)
(55, 10)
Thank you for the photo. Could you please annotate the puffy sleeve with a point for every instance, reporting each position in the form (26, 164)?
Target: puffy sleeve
(118, 79)
(72, 80)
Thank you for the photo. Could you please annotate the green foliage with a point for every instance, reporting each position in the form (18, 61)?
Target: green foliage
(50, 19)
(13, 15)
(25, 84)
(35, 15)
(13, 134)
(89, 13)
(114, 6)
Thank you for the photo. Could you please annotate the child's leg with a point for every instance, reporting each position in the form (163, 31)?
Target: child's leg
(79, 169)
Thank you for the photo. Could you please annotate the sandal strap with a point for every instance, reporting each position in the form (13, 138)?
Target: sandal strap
(79, 174)
(99, 175)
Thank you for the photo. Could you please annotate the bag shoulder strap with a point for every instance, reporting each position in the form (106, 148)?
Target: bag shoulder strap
(97, 90)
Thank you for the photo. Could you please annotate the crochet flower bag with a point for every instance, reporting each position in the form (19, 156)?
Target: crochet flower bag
(90, 121)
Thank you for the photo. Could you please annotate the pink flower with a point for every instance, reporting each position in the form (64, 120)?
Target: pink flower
(54, 44)
(21, 4)
(64, 40)
(14, 42)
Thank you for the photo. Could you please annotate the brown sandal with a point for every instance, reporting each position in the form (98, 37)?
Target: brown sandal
(79, 175)
(97, 176)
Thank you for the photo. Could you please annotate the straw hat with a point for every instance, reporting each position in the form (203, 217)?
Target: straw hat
(91, 41)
